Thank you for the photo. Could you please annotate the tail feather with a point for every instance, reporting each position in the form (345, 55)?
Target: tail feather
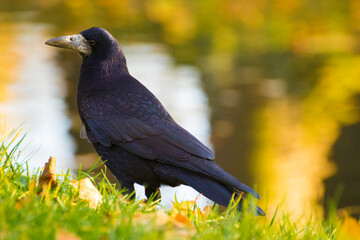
(212, 189)
(211, 169)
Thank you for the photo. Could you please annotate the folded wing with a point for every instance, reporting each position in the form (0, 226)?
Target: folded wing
(143, 127)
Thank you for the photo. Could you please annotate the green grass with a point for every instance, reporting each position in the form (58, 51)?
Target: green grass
(28, 213)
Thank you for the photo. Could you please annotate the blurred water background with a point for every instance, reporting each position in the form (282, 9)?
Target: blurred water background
(273, 86)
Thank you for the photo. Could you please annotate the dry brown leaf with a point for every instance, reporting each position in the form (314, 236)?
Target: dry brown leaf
(88, 192)
(65, 235)
(47, 178)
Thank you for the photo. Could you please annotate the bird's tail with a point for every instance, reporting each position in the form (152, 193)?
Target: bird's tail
(212, 189)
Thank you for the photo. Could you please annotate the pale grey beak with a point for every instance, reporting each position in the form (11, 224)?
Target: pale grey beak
(74, 42)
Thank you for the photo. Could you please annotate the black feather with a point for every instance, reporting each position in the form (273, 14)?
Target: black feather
(131, 129)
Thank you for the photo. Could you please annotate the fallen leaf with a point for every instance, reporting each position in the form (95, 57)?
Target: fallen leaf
(88, 192)
(181, 221)
(185, 212)
(350, 228)
(47, 178)
(65, 235)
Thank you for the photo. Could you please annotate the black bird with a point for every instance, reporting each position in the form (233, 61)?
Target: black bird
(133, 132)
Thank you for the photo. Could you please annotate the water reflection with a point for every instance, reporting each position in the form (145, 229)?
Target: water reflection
(35, 97)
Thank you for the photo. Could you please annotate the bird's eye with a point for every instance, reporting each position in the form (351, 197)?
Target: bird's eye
(91, 42)
(71, 39)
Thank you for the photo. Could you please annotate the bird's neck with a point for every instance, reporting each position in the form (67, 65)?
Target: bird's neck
(97, 74)
(111, 59)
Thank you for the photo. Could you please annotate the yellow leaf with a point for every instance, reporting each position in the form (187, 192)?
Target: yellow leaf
(350, 228)
(186, 212)
(65, 235)
(88, 192)
(181, 220)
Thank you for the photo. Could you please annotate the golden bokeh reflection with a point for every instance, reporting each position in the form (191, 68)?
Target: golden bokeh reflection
(295, 138)
(8, 58)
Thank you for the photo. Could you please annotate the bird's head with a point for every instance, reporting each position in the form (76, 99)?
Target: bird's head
(91, 42)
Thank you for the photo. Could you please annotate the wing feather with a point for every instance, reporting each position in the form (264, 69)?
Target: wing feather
(114, 119)
(142, 126)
